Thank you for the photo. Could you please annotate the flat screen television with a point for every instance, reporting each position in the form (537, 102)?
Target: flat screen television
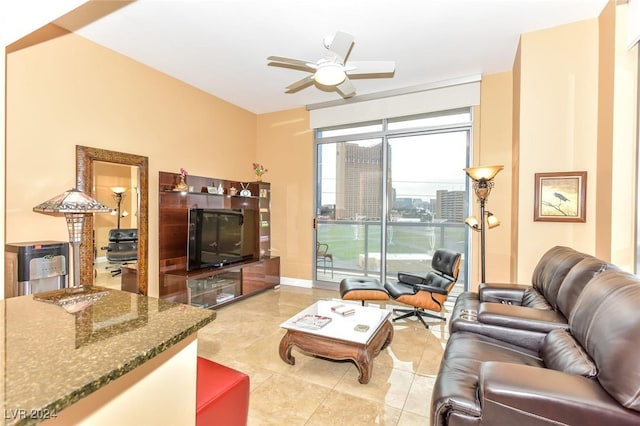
(220, 237)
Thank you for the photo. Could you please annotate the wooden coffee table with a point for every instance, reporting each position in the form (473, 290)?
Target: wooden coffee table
(342, 338)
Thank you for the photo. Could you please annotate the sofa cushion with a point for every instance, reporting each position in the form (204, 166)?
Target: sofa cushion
(532, 298)
(561, 352)
(575, 281)
(605, 321)
(551, 270)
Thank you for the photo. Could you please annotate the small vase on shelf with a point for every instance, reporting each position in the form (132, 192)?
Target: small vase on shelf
(182, 184)
(259, 170)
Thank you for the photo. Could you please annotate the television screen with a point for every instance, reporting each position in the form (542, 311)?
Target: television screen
(220, 237)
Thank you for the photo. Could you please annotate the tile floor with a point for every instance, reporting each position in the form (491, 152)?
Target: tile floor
(316, 391)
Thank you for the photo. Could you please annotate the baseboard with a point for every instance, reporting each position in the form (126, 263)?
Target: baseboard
(296, 282)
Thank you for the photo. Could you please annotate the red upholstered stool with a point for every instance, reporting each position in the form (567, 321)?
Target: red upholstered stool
(222, 395)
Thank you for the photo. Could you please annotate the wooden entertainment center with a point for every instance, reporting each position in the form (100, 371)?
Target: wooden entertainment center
(213, 286)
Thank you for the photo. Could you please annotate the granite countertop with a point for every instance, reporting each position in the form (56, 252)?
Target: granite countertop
(52, 356)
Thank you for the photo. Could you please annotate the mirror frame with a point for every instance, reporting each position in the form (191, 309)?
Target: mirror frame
(85, 156)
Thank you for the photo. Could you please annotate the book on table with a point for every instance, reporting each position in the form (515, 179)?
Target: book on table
(312, 322)
(343, 310)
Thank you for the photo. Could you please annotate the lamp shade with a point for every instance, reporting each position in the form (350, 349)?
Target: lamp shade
(75, 205)
(472, 222)
(492, 220)
(483, 172)
(72, 201)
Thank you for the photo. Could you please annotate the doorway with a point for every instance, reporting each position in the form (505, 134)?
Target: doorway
(115, 185)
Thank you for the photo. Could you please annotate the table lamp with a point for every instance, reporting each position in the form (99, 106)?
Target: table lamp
(75, 205)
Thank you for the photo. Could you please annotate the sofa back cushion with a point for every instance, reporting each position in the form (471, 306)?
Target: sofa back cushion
(575, 281)
(560, 351)
(606, 323)
(532, 298)
(551, 270)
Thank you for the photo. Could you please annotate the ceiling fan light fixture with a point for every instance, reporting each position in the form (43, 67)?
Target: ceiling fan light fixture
(330, 75)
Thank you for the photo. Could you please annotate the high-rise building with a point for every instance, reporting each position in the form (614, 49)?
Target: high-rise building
(358, 172)
(450, 205)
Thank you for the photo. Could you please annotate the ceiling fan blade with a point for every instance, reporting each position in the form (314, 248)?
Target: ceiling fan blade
(279, 60)
(370, 67)
(300, 84)
(341, 45)
(346, 88)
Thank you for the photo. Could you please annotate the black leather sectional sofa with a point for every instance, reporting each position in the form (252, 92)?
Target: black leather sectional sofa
(562, 351)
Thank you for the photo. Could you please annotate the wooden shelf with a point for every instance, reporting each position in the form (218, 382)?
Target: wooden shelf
(173, 191)
(249, 278)
(256, 275)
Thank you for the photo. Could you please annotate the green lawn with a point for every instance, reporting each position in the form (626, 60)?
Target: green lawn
(347, 241)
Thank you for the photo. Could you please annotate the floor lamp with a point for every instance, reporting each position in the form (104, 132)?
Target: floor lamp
(482, 178)
(118, 195)
(75, 205)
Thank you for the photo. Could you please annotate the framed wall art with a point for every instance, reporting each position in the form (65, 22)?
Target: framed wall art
(560, 197)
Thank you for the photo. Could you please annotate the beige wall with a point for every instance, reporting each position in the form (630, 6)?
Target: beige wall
(67, 91)
(604, 152)
(2, 168)
(558, 128)
(21, 19)
(515, 165)
(575, 109)
(492, 145)
(285, 146)
(623, 239)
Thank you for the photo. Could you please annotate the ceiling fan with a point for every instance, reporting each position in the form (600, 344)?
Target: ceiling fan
(332, 70)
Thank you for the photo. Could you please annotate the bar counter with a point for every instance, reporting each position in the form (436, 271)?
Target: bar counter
(55, 355)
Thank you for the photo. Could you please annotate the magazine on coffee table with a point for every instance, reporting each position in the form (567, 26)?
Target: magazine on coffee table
(312, 322)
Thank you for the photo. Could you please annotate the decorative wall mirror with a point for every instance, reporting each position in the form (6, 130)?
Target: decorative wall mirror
(86, 159)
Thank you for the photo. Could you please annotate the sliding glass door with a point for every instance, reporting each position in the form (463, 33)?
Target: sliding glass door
(348, 219)
(427, 199)
(388, 194)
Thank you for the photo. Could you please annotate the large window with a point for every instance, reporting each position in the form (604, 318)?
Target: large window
(389, 193)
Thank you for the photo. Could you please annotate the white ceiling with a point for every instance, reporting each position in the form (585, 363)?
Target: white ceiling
(221, 46)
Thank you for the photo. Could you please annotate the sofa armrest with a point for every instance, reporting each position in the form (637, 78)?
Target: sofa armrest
(528, 339)
(520, 394)
(521, 317)
(511, 294)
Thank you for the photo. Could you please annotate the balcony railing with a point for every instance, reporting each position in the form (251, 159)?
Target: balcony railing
(356, 249)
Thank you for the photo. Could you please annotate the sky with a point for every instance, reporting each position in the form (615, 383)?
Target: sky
(420, 165)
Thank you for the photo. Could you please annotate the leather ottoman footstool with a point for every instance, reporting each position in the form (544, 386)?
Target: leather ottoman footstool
(222, 395)
(362, 288)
